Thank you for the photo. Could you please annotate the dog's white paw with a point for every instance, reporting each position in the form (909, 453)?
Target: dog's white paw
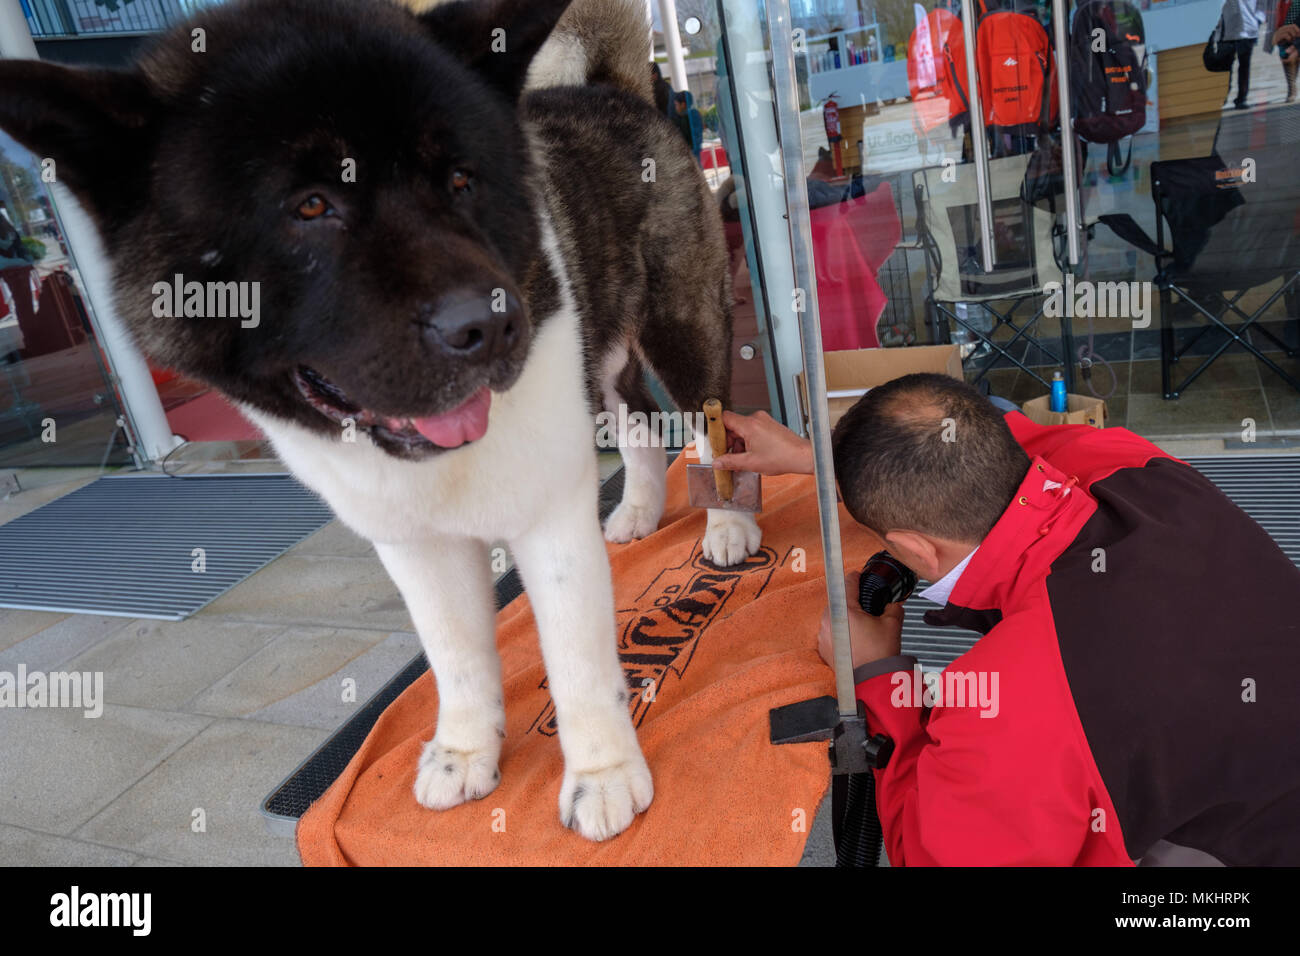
(449, 777)
(731, 537)
(600, 804)
(630, 521)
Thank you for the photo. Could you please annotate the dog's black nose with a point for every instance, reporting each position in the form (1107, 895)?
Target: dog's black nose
(472, 324)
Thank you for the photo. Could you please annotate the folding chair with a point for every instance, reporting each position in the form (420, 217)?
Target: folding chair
(1232, 227)
(947, 227)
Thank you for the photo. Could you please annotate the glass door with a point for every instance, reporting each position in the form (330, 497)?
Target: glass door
(1192, 207)
(1086, 188)
(923, 233)
(57, 402)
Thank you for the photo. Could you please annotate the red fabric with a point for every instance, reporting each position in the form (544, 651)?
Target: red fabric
(945, 795)
(851, 241)
(209, 417)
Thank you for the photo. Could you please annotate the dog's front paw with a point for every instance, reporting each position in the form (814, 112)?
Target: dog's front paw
(448, 777)
(600, 804)
(630, 521)
(731, 537)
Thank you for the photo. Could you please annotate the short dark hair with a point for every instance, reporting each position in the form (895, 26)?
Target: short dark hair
(927, 453)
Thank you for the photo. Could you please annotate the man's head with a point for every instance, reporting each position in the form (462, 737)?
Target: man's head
(927, 463)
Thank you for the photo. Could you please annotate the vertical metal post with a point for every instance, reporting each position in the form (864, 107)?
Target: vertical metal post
(1072, 216)
(810, 336)
(673, 43)
(978, 137)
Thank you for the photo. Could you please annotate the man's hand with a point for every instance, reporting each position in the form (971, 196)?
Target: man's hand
(1286, 33)
(760, 443)
(872, 638)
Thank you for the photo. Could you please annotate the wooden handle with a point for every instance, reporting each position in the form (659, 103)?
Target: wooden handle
(718, 442)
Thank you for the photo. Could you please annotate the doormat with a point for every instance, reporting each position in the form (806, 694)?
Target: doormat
(152, 546)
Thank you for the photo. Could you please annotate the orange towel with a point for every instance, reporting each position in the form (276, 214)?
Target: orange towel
(721, 648)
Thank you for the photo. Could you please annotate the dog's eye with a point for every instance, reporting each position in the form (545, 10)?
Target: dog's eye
(313, 207)
(461, 180)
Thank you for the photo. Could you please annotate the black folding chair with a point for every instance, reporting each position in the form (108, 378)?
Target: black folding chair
(947, 222)
(1225, 225)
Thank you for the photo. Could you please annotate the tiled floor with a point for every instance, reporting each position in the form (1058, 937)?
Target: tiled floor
(202, 718)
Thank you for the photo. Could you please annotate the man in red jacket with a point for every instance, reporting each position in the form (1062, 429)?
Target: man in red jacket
(1133, 697)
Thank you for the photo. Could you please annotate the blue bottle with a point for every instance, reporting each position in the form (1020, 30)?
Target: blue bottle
(1058, 401)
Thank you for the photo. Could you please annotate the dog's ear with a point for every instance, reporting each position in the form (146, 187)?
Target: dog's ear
(96, 125)
(498, 39)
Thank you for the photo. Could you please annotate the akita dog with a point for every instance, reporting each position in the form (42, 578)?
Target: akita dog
(470, 231)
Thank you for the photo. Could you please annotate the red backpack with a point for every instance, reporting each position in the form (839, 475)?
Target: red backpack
(955, 78)
(1017, 72)
(929, 71)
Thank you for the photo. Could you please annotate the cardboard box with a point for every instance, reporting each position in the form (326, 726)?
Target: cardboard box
(867, 368)
(1083, 410)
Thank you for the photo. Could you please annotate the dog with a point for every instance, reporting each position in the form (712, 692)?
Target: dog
(468, 230)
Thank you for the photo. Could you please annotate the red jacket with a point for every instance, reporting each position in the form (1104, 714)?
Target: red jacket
(1125, 604)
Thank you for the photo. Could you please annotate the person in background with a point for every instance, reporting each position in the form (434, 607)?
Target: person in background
(688, 121)
(1286, 39)
(1241, 20)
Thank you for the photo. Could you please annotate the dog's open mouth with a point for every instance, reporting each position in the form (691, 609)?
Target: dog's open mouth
(466, 422)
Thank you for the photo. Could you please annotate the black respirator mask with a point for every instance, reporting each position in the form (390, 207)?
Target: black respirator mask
(885, 580)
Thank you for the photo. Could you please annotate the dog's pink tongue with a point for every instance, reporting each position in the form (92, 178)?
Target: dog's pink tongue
(468, 422)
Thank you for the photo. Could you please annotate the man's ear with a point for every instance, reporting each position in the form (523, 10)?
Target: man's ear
(96, 125)
(498, 39)
(917, 551)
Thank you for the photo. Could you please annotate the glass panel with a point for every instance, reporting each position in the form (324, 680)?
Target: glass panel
(1209, 174)
(894, 188)
(713, 93)
(56, 404)
(896, 206)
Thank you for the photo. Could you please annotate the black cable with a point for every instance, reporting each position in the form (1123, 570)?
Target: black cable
(854, 824)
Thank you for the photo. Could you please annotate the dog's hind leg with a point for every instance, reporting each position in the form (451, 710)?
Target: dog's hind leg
(687, 342)
(644, 457)
(447, 586)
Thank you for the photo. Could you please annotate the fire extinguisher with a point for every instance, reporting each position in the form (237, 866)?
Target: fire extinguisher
(831, 120)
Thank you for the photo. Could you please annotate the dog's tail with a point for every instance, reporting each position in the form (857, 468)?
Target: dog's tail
(597, 41)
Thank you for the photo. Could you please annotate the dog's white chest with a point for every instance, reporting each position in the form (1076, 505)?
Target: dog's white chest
(537, 446)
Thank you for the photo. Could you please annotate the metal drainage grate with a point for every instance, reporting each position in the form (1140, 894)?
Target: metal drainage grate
(125, 545)
(1266, 487)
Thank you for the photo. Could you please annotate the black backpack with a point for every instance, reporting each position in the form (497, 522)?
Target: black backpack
(1108, 79)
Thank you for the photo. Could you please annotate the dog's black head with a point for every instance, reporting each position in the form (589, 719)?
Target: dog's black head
(362, 165)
